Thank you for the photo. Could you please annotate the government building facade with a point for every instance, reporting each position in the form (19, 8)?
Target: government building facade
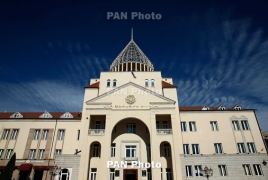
(133, 128)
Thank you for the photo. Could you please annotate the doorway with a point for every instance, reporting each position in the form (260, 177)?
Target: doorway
(130, 174)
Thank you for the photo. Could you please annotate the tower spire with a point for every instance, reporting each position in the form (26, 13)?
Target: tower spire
(132, 34)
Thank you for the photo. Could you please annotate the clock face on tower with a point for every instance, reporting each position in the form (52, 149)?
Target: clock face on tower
(130, 99)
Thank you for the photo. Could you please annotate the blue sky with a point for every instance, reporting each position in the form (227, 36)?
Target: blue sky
(216, 51)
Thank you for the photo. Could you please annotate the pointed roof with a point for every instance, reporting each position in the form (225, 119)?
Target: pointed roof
(95, 85)
(167, 85)
(131, 53)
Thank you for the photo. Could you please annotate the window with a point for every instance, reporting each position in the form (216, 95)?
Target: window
(192, 126)
(5, 134)
(78, 134)
(257, 169)
(108, 83)
(114, 83)
(245, 125)
(235, 125)
(44, 135)
(130, 128)
(165, 125)
(1, 153)
(237, 108)
(152, 82)
(188, 171)
(64, 174)
(247, 169)
(195, 148)
(251, 147)
(186, 149)
(148, 149)
(146, 83)
(112, 173)
(57, 151)
(169, 174)
(214, 125)
(166, 150)
(113, 150)
(149, 174)
(41, 154)
(95, 150)
(36, 134)
(183, 126)
(61, 135)
(157, 125)
(8, 153)
(32, 154)
(218, 148)
(222, 170)
(130, 151)
(93, 174)
(241, 147)
(222, 108)
(198, 170)
(14, 134)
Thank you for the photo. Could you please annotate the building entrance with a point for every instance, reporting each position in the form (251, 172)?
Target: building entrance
(130, 174)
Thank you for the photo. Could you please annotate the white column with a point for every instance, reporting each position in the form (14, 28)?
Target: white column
(144, 67)
(136, 67)
(140, 66)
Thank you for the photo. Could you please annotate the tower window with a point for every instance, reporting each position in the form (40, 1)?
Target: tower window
(108, 83)
(114, 83)
(146, 83)
(152, 82)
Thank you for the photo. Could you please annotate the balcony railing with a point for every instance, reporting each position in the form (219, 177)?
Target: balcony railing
(130, 158)
(164, 131)
(96, 132)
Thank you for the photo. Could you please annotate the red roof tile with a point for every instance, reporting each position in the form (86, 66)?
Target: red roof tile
(95, 85)
(35, 115)
(167, 85)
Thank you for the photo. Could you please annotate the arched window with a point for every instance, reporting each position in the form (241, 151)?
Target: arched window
(108, 83)
(146, 83)
(152, 82)
(114, 83)
(64, 174)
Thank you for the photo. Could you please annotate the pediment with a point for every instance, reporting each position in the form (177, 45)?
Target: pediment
(141, 94)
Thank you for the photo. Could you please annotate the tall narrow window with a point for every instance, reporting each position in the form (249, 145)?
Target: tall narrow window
(41, 154)
(44, 135)
(130, 128)
(8, 153)
(146, 83)
(247, 169)
(165, 125)
(223, 170)
(195, 148)
(167, 150)
(152, 82)
(114, 83)
(241, 147)
(198, 170)
(188, 171)
(148, 149)
(5, 134)
(149, 174)
(251, 147)
(78, 134)
(192, 126)
(130, 151)
(245, 125)
(36, 134)
(113, 150)
(112, 173)
(60, 134)
(1, 153)
(218, 148)
(95, 150)
(32, 154)
(183, 126)
(93, 174)
(257, 169)
(186, 149)
(64, 174)
(57, 151)
(214, 125)
(14, 134)
(235, 125)
(169, 174)
(108, 83)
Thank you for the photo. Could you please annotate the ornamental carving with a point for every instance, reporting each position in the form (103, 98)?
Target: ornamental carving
(130, 99)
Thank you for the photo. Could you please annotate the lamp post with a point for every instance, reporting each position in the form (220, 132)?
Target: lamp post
(207, 172)
(55, 171)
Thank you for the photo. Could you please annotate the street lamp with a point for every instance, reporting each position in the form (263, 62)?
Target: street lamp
(55, 171)
(207, 172)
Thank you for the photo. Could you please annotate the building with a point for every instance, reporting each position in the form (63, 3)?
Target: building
(132, 128)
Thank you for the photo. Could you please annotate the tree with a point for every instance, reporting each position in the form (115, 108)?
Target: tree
(7, 173)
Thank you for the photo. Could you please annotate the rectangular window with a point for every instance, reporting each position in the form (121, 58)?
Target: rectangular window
(57, 151)
(247, 169)
(165, 125)
(192, 126)
(44, 135)
(112, 174)
(183, 126)
(186, 149)
(131, 128)
(198, 169)
(1, 153)
(195, 148)
(60, 134)
(95, 150)
(214, 125)
(218, 148)
(130, 151)
(257, 169)
(251, 147)
(241, 147)
(113, 150)
(149, 174)
(78, 134)
(32, 154)
(148, 149)
(8, 153)
(188, 171)
(5, 134)
(41, 154)
(93, 174)
(36, 134)
(167, 150)
(14, 134)
(222, 170)
(235, 125)
(245, 125)
(169, 174)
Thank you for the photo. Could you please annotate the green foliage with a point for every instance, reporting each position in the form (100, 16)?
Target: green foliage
(7, 173)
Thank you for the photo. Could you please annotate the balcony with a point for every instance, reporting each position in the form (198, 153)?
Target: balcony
(164, 131)
(130, 158)
(96, 132)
